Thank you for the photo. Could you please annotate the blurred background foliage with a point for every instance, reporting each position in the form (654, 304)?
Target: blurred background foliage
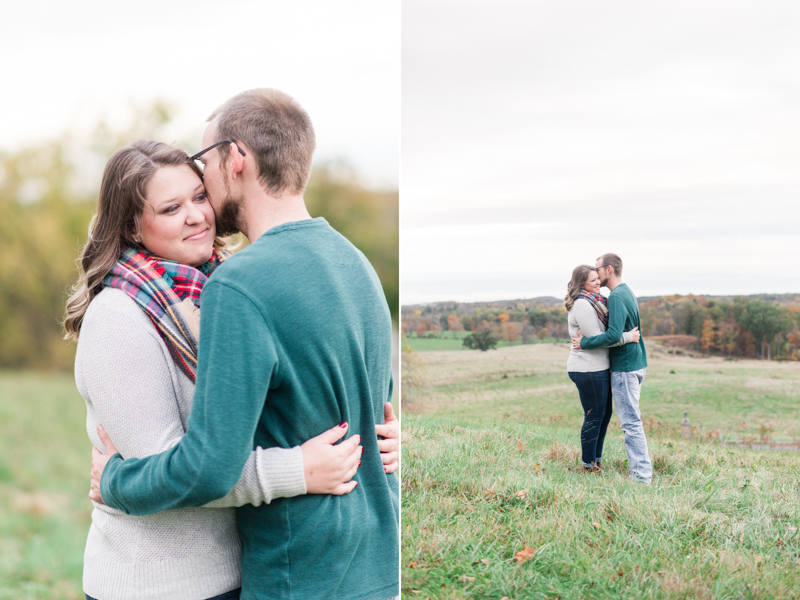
(48, 193)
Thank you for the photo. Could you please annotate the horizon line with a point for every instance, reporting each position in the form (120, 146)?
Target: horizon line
(426, 303)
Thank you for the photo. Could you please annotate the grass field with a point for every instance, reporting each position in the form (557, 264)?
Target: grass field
(45, 513)
(491, 467)
(450, 340)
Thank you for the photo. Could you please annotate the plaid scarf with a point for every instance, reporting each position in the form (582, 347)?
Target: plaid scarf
(600, 304)
(159, 285)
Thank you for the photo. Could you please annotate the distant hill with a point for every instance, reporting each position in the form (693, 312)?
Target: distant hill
(465, 307)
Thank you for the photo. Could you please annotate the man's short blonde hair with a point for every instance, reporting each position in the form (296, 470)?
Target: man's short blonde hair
(612, 260)
(277, 130)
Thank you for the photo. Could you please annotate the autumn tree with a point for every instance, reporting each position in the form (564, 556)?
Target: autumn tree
(454, 323)
(512, 331)
(709, 336)
(729, 336)
(526, 333)
(765, 321)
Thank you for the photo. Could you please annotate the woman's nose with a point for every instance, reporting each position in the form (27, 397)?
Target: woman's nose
(194, 215)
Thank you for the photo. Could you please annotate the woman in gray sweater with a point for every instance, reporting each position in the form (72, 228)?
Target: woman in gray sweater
(589, 369)
(135, 314)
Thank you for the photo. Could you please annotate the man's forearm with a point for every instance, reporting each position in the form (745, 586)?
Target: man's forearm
(600, 341)
(616, 322)
(141, 486)
(228, 400)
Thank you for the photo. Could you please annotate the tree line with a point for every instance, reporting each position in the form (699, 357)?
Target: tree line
(48, 194)
(761, 326)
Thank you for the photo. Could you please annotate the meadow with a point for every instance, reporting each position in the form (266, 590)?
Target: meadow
(453, 340)
(45, 512)
(495, 503)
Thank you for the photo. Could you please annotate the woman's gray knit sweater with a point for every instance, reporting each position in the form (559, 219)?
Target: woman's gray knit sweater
(583, 317)
(132, 386)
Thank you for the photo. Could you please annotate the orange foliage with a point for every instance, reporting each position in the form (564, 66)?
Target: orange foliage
(454, 323)
(512, 331)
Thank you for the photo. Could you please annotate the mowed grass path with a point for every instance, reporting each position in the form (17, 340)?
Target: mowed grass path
(490, 467)
(45, 513)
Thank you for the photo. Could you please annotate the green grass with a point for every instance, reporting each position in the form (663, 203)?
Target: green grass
(45, 513)
(449, 341)
(491, 466)
(452, 340)
(530, 384)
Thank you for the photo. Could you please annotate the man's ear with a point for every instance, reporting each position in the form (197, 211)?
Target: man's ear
(235, 162)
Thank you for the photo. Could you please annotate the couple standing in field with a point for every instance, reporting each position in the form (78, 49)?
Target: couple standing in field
(607, 360)
(295, 353)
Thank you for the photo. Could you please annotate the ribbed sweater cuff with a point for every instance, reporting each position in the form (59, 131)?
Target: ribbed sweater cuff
(285, 476)
(105, 482)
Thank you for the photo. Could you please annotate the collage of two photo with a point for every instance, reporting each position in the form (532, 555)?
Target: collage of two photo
(379, 300)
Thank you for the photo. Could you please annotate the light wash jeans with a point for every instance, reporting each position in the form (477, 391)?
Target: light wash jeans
(625, 387)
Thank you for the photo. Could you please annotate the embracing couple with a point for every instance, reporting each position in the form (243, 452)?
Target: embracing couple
(607, 359)
(294, 356)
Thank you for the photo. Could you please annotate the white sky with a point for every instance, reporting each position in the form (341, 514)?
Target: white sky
(67, 64)
(538, 135)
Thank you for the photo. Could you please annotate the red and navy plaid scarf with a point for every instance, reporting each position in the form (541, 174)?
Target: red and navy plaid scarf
(600, 304)
(158, 285)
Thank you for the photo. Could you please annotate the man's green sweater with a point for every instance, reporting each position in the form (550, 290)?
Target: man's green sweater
(623, 315)
(296, 338)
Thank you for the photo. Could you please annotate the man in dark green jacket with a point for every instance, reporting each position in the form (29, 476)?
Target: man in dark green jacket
(628, 364)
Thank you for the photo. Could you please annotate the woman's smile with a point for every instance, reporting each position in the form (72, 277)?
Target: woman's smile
(197, 236)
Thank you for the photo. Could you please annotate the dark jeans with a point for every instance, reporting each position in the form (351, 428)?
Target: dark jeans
(595, 392)
(232, 595)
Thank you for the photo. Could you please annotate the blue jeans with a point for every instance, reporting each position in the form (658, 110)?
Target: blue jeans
(626, 387)
(594, 390)
(232, 595)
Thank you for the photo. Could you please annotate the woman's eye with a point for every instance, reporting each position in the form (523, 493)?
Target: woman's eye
(201, 198)
(171, 209)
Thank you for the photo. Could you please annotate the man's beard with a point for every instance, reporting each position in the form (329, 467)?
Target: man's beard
(229, 215)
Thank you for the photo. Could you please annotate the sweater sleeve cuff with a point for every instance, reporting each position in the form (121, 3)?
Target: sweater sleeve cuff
(105, 482)
(283, 476)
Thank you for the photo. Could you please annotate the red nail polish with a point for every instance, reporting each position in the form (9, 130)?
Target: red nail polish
(359, 463)
(343, 424)
(356, 485)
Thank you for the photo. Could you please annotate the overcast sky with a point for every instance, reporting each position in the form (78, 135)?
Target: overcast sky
(538, 135)
(68, 64)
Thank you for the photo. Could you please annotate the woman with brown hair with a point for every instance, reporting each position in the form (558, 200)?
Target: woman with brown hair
(135, 314)
(589, 369)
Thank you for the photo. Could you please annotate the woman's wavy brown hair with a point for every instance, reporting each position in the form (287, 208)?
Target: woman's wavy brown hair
(579, 276)
(117, 223)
